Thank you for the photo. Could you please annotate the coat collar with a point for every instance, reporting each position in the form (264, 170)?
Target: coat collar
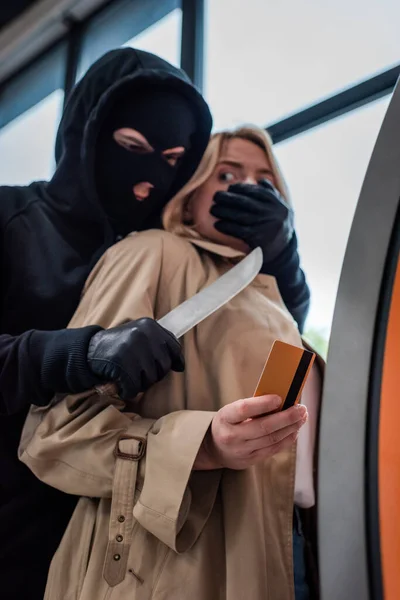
(214, 248)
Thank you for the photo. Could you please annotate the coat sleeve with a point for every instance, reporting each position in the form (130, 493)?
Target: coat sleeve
(291, 282)
(73, 444)
(36, 364)
(19, 379)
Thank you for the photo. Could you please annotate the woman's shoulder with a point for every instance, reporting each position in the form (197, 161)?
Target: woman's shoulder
(154, 245)
(153, 253)
(164, 240)
(152, 240)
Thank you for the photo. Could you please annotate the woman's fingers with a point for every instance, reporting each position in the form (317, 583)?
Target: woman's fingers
(249, 408)
(270, 440)
(270, 424)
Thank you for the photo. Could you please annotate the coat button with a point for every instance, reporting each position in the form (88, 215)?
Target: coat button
(121, 518)
(119, 538)
(117, 557)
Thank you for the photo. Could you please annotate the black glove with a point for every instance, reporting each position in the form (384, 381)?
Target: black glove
(134, 355)
(256, 214)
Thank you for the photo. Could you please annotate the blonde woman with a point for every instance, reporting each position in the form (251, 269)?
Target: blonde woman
(247, 215)
(187, 491)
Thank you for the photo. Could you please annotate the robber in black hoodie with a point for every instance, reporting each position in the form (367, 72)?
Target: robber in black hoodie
(133, 132)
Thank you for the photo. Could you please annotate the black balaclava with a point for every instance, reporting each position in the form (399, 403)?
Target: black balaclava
(165, 119)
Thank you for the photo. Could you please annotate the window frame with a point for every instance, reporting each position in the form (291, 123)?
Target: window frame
(58, 66)
(124, 19)
(33, 84)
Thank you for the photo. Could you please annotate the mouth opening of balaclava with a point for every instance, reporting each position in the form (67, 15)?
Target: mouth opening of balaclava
(165, 119)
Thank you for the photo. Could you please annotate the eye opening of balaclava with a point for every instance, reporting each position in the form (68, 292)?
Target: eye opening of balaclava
(166, 120)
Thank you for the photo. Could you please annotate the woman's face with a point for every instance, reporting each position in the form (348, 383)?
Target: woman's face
(241, 161)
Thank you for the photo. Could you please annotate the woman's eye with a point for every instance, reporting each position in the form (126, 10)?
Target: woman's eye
(226, 177)
(266, 178)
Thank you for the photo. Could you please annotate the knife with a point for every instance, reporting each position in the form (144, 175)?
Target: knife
(190, 313)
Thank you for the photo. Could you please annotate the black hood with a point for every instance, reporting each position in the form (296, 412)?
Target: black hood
(72, 188)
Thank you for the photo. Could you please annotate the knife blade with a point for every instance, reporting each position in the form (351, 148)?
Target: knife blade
(191, 312)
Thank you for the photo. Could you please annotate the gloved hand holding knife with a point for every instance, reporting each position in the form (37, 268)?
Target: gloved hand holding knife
(133, 356)
(128, 359)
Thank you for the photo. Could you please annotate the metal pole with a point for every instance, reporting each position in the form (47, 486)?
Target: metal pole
(192, 46)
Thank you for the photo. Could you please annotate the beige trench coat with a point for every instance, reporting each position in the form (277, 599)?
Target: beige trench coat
(147, 527)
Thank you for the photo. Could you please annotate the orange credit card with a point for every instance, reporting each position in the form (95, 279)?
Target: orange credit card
(285, 373)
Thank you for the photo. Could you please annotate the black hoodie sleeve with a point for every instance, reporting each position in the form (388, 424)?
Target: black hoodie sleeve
(37, 364)
(291, 282)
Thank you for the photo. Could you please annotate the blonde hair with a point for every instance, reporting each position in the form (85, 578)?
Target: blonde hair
(173, 214)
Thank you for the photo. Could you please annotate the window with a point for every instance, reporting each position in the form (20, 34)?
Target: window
(30, 109)
(152, 25)
(275, 57)
(163, 38)
(325, 168)
(27, 143)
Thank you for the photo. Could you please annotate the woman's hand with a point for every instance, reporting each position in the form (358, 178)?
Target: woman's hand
(241, 437)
